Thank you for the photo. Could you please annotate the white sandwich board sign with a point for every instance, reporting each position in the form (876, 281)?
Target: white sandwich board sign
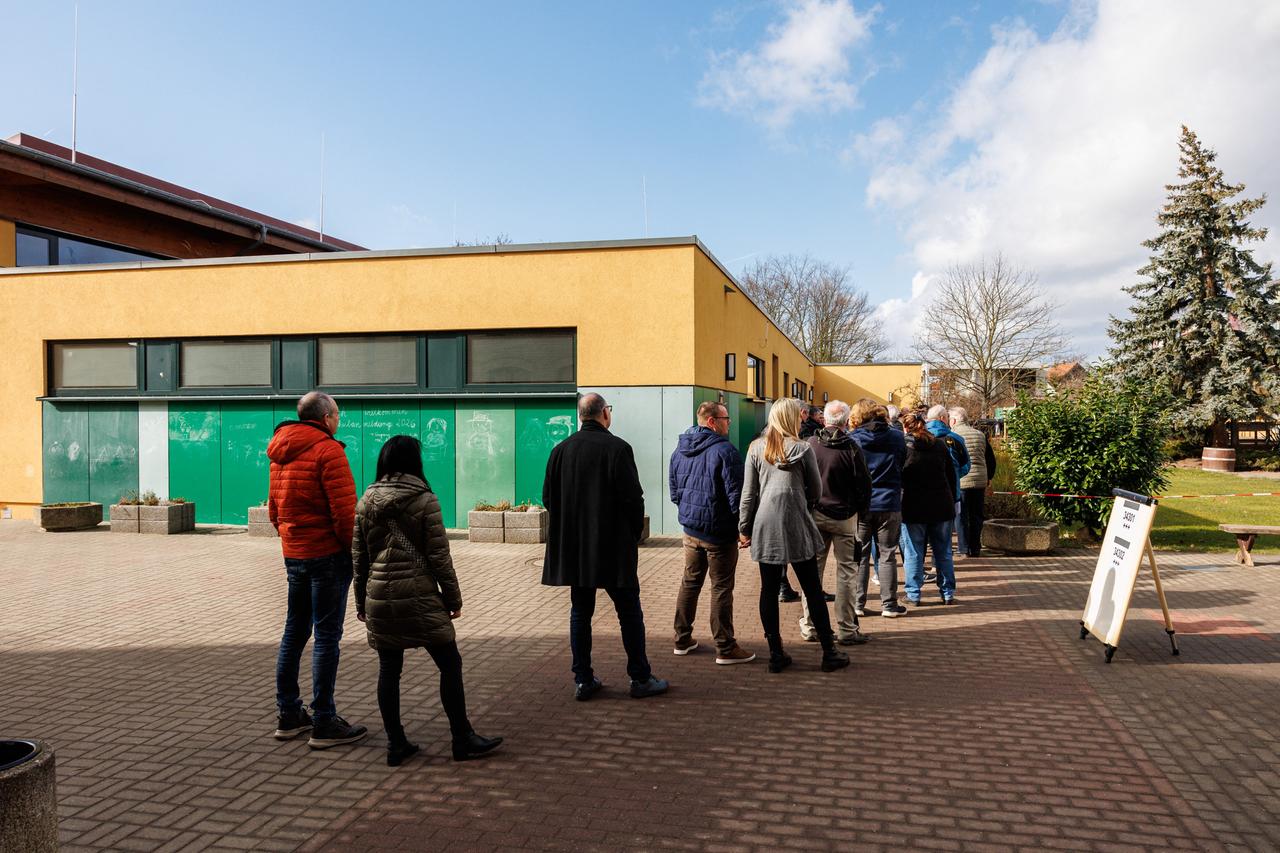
(1126, 543)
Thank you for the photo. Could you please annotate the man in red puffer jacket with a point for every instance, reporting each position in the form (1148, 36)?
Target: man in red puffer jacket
(313, 504)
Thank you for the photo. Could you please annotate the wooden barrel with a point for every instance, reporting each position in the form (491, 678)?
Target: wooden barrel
(1218, 459)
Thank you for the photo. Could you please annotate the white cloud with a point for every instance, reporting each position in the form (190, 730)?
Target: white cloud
(802, 66)
(1056, 151)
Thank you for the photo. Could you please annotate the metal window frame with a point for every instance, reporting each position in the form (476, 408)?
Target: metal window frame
(54, 237)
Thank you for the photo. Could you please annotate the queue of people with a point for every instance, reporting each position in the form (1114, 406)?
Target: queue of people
(848, 480)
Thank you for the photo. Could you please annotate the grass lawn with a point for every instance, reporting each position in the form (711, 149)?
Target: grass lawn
(1192, 524)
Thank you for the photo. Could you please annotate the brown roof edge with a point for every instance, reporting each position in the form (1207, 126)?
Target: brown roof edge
(52, 149)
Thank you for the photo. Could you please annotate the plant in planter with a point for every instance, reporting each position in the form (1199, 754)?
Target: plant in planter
(71, 515)
(525, 524)
(124, 513)
(260, 521)
(485, 522)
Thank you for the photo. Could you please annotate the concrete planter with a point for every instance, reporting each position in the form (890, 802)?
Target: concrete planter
(28, 797)
(124, 518)
(484, 526)
(164, 518)
(1020, 535)
(58, 519)
(260, 522)
(525, 528)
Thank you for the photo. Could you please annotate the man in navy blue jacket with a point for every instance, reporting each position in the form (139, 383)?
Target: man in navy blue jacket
(706, 484)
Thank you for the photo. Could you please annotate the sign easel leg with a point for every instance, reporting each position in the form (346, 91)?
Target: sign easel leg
(1164, 605)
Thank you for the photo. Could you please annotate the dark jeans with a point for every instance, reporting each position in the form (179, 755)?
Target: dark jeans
(879, 532)
(626, 602)
(452, 697)
(317, 599)
(701, 559)
(807, 575)
(972, 514)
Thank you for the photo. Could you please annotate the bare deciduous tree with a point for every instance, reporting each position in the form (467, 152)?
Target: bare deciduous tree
(816, 305)
(987, 324)
(501, 239)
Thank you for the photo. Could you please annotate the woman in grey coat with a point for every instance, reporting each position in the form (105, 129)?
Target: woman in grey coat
(779, 490)
(407, 593)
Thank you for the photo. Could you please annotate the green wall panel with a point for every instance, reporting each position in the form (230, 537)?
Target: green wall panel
(486, 469)
(246, 430)
(113, 451)
(438, 434)
(380, 423)
(351, 433)
(66, 452)
(540, 425)
(195, 458)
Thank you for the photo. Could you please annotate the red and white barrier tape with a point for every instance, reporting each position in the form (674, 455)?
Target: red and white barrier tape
(1158, 497)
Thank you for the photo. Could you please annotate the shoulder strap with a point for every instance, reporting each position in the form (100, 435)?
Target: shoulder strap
(402, 539)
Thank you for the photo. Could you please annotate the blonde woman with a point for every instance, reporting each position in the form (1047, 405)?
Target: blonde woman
(781, 485)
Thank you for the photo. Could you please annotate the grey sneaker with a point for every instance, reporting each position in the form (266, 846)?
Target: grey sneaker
(890, 611)
(652, 687)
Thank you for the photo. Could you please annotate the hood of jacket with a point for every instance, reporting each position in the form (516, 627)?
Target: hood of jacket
(696, 439)
(389, 497)
(293, 438)
(937, 427)
(875, 436)
(793, 453)
(836, 439)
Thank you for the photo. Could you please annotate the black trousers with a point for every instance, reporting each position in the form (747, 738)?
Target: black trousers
(452, 696)
(807, 575)
(972, 515)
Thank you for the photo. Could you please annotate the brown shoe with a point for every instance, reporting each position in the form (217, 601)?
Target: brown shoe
(686, 647)
(737, 654)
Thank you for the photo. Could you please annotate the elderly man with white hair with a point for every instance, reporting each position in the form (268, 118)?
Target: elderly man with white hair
(938, 418)
(846, 493)
(973, 485)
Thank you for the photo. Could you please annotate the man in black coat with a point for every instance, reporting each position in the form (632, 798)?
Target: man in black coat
(595, 516)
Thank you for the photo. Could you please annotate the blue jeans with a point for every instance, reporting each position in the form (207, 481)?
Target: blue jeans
(630, 617)
(317, 598)
(915, 538)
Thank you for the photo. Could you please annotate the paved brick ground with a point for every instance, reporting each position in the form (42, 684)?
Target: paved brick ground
(148, 663)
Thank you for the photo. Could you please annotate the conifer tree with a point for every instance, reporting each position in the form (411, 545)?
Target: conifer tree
(1204, 326)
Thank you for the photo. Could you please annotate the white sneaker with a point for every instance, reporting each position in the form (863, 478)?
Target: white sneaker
(858, 611)
(875, 579)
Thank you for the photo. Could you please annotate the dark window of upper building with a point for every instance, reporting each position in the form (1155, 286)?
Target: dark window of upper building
(520, 358)
(381, 360)
(225, 364)
(39, 248)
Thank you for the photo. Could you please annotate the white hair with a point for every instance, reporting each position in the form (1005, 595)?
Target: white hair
(836, 414)
(935, 413)
(893, 411)
(959, 415)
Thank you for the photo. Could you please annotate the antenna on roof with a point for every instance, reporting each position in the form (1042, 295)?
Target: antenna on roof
(322, 186)
(644, 198)
(75, 78)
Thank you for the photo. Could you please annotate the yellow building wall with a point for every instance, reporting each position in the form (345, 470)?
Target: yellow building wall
(729, 322)
(8, 244)
(888, 383)
(632, 308)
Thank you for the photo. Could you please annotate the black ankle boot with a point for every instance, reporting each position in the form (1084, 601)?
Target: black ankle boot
(399, 751)
(474, 746)
(778, 659)
(832, 658)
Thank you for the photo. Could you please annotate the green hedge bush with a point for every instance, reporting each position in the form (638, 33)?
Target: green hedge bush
(1090, 440)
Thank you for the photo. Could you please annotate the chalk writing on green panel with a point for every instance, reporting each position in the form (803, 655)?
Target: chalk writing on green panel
(66, 452)
(438, 453)
(246, 431)
(113, 451)
(195, 460)
(540, 426)
(351, 433)
(380, 423)
(486, 458)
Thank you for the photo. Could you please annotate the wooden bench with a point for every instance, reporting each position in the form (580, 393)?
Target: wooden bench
(1245, 536)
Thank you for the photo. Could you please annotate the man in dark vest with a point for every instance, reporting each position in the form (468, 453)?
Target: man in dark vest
(595, 517)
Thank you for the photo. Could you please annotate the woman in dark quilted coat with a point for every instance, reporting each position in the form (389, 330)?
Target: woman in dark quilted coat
(407, 593)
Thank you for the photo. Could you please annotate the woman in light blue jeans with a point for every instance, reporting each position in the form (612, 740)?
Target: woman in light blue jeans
(928, 509)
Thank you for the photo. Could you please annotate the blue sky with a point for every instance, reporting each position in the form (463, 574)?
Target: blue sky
(541, 120)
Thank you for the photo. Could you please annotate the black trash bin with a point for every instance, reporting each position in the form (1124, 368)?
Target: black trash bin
(28, 797)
